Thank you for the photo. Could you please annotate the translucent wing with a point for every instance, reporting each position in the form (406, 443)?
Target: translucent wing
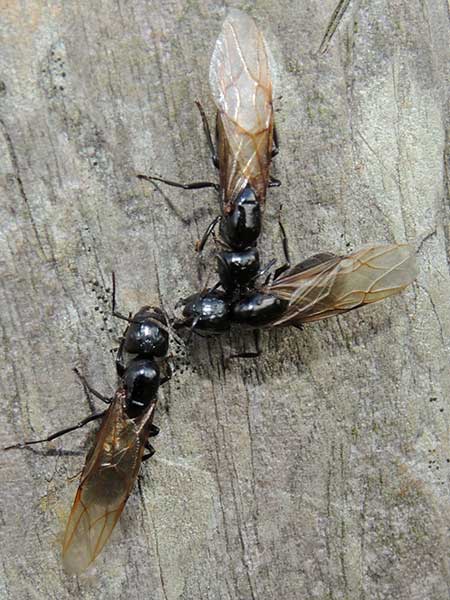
(106, 482)
(328, 285)
(241, 84)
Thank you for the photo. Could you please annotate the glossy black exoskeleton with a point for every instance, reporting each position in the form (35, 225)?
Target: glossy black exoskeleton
(113, 463)
(209, 312)
(238, 263)
(246, 142)
(145, 335)
(257, 309)
(241, 223)
(237, 269)
(145, 339)
(205, 313)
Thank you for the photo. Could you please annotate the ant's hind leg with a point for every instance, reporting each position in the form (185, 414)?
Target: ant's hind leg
(57, 434)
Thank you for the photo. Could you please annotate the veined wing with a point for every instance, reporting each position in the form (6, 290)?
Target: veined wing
(337, 284)
(242, 88)
(106, 482)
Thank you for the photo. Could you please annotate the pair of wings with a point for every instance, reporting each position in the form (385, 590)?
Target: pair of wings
(327, 285)
(106, 481)
(241, 85)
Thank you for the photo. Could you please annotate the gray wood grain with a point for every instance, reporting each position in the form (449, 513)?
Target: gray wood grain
(320, 471)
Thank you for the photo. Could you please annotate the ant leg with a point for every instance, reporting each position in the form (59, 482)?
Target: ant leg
(274, 182)
(256, 353)
(153, 431)
(150, 453)
(166, 378)
(245, 355)
(59, 433)
(197, 185)
(183, 323)
(82, 423)
(210, 230)
(120, 361)
(276, 142)
(89, 388)
(192, 329)
(178, 323)
(284, 240)
(206, 129)
(265, 269)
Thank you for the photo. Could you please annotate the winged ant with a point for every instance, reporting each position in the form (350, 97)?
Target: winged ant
(113, 463)
(319, 287)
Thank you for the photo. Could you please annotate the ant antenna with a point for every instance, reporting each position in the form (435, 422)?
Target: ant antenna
(191, 329)
(115, 313)
(264, 270)
(170, 329)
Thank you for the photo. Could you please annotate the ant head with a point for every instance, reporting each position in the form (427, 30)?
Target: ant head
(207, 312)
(141, 382)
(147, 333)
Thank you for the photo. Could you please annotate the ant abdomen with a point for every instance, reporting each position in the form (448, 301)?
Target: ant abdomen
(257, 309)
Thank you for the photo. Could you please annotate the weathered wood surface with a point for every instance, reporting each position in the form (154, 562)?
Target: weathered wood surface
(320, 471)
